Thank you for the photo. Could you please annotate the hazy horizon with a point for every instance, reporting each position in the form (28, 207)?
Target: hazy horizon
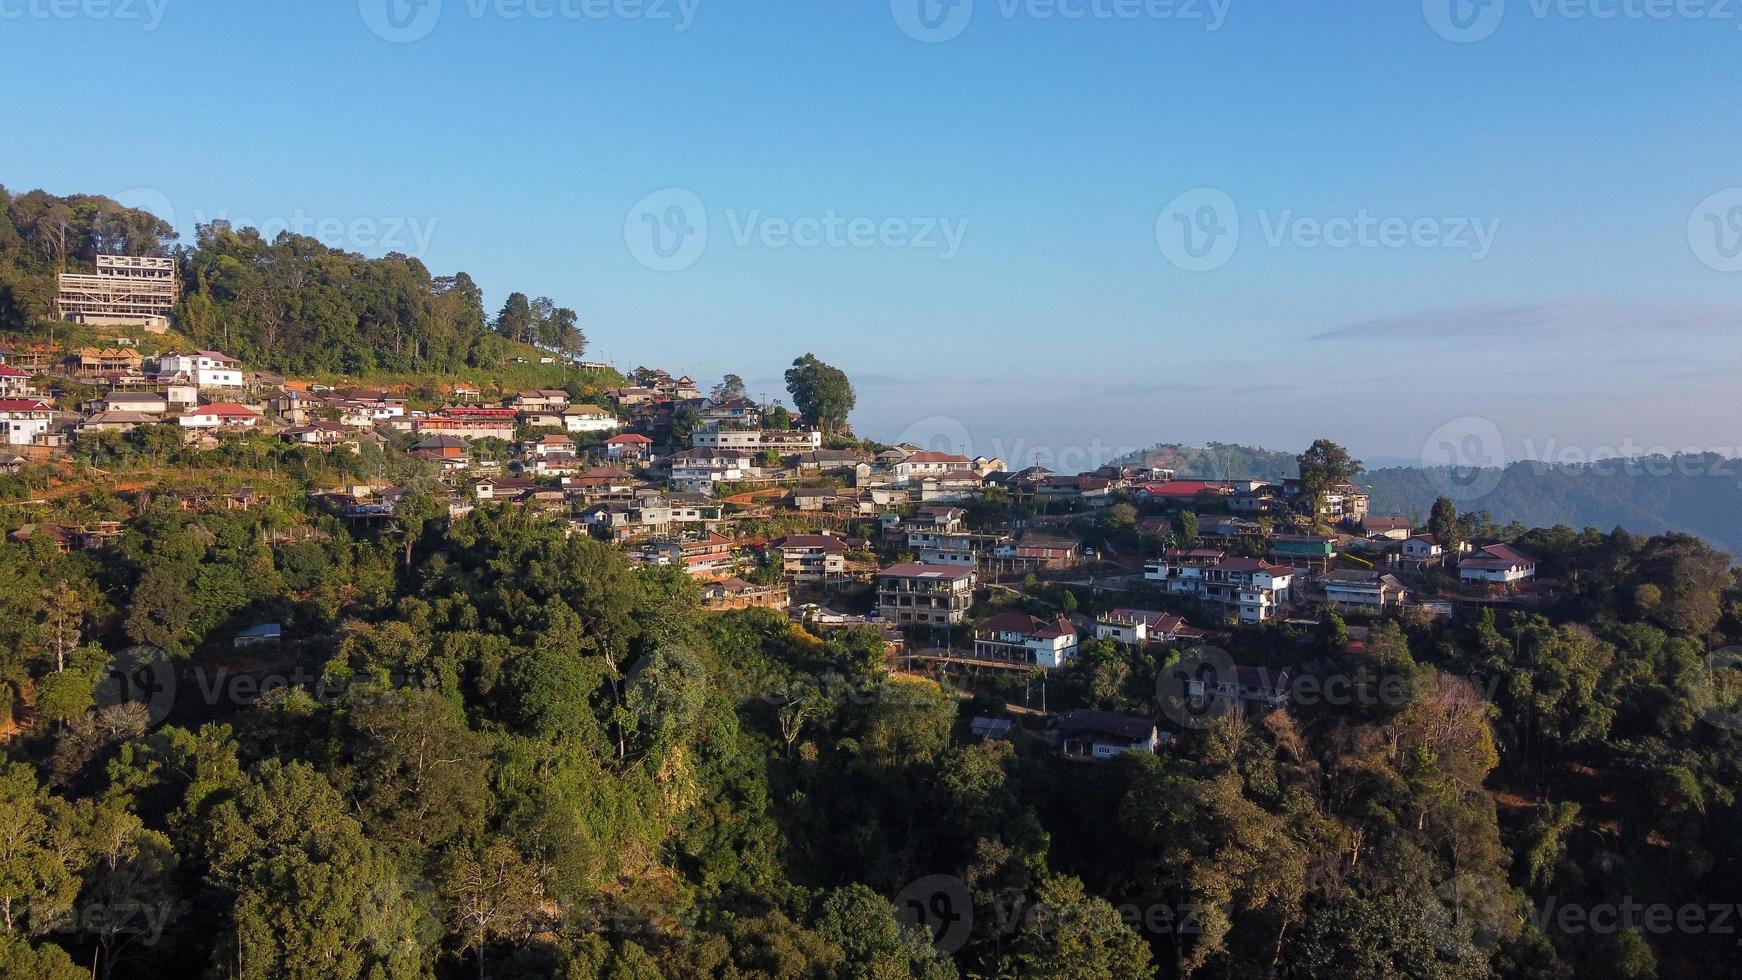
(1410, 233)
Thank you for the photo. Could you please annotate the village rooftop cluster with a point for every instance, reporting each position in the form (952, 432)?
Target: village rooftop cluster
(764, 511)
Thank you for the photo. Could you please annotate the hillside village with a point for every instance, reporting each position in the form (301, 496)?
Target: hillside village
(968, 566)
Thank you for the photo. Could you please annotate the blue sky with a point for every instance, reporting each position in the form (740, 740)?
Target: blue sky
(1541, 290)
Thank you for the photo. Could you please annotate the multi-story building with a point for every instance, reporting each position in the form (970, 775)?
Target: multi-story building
(708, 557)
(807, 559)
(700, 470)
(126, 290)
(925, 594)
(1249, 589)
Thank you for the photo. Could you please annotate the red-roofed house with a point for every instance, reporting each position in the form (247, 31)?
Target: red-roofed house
(1135, 627)
(1020, 638)
(1497, 564)
(220, 415)
(14, 383)
(1182, 490)
(23, 419)
(630, 445)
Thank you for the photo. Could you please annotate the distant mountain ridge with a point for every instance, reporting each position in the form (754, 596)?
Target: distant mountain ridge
(1700, 495)
(1696, 494)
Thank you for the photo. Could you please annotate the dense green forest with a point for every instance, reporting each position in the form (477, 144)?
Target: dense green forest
(292, 304)
(492, 748)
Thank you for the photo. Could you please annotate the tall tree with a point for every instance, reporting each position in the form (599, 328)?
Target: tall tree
(1443, 524)
(1324, 467)
(730, 388)
(822, 393)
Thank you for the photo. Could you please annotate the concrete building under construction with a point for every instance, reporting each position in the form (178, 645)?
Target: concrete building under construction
(126, 291)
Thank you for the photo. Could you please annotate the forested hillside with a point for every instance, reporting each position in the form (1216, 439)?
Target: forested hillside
(292, 305)
(1696, 494)
(496, 748)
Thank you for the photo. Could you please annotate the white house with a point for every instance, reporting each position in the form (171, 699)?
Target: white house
(1021, 638)
(697, 470)
(24, 419)
(1423, 547)
(1251, 590)
(14, 383)
(204, 369)
(1497, 564)
(1135, 627)
(918, 466)
(548, 446)
(1360, 589)
(588, 418)
(221, 415)
(746, 440)
(631, 445)
(1099, 735)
